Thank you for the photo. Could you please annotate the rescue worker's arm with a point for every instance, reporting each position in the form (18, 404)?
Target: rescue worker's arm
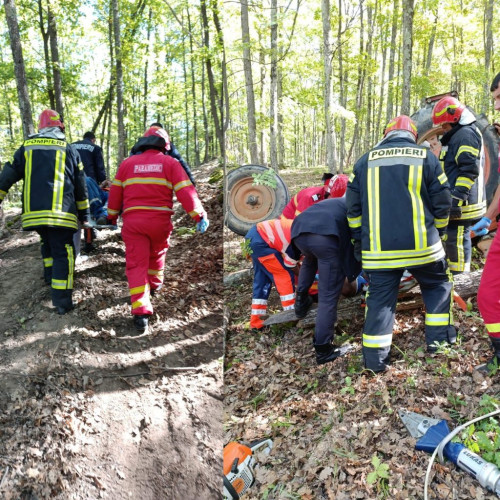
(467, 159)
(289, 210)
(353, 203)
(115, 199)
(174, 153)
(184, 191)
(81, 193)
(439, 193)
(99, 165)
(8, 176)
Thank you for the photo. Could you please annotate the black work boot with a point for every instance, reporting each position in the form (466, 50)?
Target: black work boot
(141, 322)
(328, 352)
(491, 366)
(303, 301)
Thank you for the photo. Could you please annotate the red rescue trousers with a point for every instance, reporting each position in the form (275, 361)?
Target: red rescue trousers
(488, 295)
(146, 236)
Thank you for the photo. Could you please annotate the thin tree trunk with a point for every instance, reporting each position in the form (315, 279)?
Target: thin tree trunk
(247, 68)
(186, 99)
(280, 138)
(382, 86)
(19, 69)
(488, 51)
(273, 104)
(205, 118)
(145, 95)
(56, 68)
(262, 63)
(392, 56)
(430, 48)
(342, 97)
(46, 53)
(119, 82)
(327, 90)
(193, 94)
(408, 9)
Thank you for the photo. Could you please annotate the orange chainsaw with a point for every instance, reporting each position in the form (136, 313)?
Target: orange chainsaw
(239, 463)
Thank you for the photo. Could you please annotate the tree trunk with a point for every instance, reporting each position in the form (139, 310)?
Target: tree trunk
(407, 35)
(19, 69)
(273, 103)
(186, 99)
(327, 90)
(56, 68)
(342, 96)
(262, 63)
(193, 94)
(488, 51)
(145, 94)
(247, 68)
(392, 56)
(46, 53)
(430, 48)
(119, 82)
(205, 118)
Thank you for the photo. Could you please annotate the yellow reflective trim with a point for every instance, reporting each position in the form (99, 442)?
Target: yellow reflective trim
(354, 221)
(58, 193)
(386, 254)
(117, 182)
(82, 205)
(155, 272)
(351, 177)
(465, 182)
(466, 149)
(414, 186)
(182, 184)
(444, 110)
(437, 319)
(439, 223)
(71, 265)
(442, 178)
(375, 341)
(113, 212)
(59, 284)
(146, 180)
(48, 262)
(45, 141)
(374, 207)
(28, 156)
(139, 207)
(80, 165)
(138, 289)
(492, 327)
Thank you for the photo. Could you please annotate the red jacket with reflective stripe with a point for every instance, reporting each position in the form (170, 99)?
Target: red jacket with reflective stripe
(302, 200)
(147, 181)
(277, 234)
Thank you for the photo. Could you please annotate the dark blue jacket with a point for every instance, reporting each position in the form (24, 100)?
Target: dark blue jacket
(92, 159)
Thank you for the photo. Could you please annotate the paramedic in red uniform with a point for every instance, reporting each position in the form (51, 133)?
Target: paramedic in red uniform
(142, 192)
(488, 295)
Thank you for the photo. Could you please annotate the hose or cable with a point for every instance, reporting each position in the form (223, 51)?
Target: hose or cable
(445, 441)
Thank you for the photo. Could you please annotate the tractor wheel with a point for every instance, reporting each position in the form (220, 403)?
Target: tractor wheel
(249, 203)
(423, 120)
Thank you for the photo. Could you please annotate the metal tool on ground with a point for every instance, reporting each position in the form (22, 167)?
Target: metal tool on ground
(238, 466)
(435, 437)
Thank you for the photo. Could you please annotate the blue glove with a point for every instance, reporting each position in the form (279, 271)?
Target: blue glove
(480, 228)
(202, 226)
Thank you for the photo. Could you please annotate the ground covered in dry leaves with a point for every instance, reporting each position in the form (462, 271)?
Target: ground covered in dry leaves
(87, 410)
(331, 424)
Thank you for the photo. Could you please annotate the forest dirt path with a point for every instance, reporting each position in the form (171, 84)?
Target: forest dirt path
(87, 410)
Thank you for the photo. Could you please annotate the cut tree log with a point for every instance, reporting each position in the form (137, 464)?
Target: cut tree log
(465, 285)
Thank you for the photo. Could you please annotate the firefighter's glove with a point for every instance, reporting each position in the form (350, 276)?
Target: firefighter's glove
(456, 208)
(357, 249)
(202, 226)
(85, 223)
(480, 228)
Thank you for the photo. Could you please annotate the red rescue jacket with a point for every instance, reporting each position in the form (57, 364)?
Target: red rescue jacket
(302, 200)
(146, 182)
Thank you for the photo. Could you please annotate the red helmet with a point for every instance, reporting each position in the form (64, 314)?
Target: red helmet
(158, 132)
(401, 122)
(50, 118)
(447, 110)
(337, 186)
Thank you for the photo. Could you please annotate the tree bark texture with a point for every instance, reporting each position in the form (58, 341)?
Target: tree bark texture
(273, 103)
(408, 10)
(56, 68)
(19, 69)
(392, 58)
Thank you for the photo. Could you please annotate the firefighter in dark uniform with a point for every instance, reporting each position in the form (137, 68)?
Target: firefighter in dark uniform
(398, 201)
(54, 200)
(321, 234)
(462, 160)
(91, 156)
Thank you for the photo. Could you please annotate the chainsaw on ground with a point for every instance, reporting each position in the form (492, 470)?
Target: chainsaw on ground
(433, 433)
(239, 463)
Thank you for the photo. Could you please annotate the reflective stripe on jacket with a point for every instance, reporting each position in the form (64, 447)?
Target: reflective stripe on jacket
(398, 201)
(54, 191)
(277, 234)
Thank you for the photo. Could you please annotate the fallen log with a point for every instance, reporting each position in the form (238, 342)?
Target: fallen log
(464, 284)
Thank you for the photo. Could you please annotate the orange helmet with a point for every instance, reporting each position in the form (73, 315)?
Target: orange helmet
(401, 122)
(158, 132)
(447, 110)
(50, 118)
(337, 186)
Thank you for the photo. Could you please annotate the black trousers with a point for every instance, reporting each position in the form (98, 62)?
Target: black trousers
(58, 255)
(436, 284)
(321, 254)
